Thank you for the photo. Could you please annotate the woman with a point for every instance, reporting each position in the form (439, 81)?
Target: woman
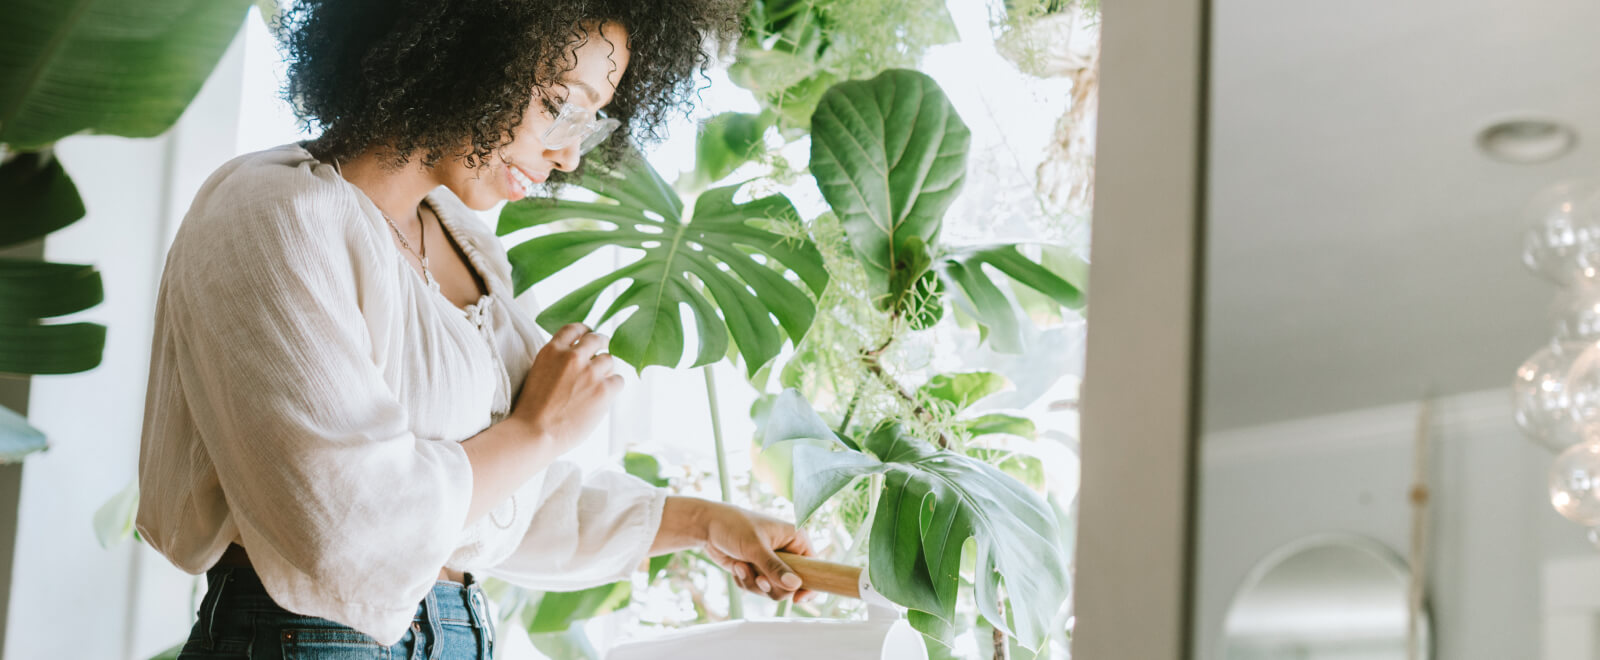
(348, 419)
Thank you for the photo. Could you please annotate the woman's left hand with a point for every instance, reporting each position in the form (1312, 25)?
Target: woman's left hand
(744, 543)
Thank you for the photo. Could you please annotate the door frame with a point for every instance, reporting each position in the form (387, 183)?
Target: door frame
(1135, 559)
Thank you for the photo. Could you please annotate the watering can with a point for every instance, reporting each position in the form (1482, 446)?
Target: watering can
(883, 636)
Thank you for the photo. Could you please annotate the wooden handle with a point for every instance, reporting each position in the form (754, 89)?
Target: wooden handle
(825, 576)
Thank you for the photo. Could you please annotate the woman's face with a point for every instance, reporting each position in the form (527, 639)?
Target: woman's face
(590, 84)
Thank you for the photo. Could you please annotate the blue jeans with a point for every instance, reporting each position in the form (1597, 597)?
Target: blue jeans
(238, 619)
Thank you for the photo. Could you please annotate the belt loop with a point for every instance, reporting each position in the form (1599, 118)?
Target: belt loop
(478, 603)
(208, 605)
(430, 608)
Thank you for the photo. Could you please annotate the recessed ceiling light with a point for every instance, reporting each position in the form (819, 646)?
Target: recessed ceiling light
(1527, 140)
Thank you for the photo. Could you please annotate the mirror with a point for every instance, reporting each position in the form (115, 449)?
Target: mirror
(1323, 598)
(1365, 308)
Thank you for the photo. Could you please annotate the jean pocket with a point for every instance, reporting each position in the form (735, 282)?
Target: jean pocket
(330, 644)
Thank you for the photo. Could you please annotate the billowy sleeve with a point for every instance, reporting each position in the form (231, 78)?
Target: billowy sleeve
(345, 513)
(586, 531)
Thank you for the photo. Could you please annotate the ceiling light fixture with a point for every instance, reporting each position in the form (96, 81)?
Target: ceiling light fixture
(1527, 141)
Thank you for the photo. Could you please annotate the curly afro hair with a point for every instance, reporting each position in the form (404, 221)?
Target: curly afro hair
(436, 79)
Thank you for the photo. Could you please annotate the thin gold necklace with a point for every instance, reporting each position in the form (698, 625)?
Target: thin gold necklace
(421, 256)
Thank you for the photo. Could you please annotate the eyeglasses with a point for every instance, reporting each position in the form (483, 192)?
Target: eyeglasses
(576, 124)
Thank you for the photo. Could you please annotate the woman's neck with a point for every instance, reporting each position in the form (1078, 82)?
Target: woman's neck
(398, 192)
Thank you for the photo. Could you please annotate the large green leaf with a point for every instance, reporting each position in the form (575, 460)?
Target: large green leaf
(996, 313)
(821, 461)
(722, 249)
(30, 348)
(40, 289)
(108, 66)
(17, 437)
(889, 155)
(36, 197)
(933, 501)
(558, 610)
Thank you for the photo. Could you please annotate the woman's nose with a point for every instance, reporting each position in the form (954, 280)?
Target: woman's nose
(566, 158)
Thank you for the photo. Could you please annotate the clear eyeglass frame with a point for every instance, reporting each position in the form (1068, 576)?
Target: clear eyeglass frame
(577, 124)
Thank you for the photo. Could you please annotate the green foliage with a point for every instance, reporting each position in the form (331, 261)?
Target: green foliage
(66, 67)
(36, 198)
(677, 253)
(794, 50)
(107, 66)
(644, 466)
(933, 501)
(961, 390)
(725, 142)
(889, 155)
(994, 423)
(996, 314)
(556, 611)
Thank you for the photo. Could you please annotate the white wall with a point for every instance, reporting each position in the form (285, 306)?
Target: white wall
(125, 602)
(1491, 530)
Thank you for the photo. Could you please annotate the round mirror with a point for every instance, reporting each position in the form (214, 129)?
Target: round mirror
(1321, 598)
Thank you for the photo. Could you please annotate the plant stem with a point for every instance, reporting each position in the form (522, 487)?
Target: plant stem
(735, 596)
(876, 368)
(850, 410)
(1002, 651)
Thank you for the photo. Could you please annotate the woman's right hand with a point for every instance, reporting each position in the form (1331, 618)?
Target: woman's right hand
(568, 388)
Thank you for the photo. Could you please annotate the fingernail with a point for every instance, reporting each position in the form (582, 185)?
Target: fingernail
(790, 580)
(740, 571)
(764, 584)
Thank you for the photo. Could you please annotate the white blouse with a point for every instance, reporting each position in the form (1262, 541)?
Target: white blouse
(307, 398)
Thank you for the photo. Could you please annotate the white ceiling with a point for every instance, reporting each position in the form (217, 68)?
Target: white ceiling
(1361, 250)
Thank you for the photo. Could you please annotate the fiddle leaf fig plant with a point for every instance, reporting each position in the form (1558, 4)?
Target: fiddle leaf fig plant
(932, 502)
(721, 248)
(890, 155)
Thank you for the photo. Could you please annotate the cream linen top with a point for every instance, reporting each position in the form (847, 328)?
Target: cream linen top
(308, 394)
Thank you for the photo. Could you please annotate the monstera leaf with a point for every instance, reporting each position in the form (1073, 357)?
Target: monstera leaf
(110, 66)
(36, 197)
(741, 264)
(934, 503)
(890, 155)
(983, 297)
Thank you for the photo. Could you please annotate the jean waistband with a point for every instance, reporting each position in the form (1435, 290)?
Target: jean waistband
(459, 603)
